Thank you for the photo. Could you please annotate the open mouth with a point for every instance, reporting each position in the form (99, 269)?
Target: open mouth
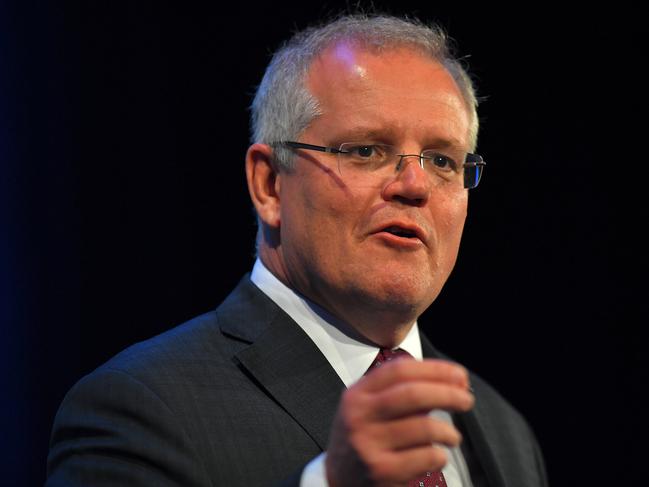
(401, 232)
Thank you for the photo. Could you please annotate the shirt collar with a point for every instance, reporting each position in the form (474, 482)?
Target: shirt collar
(348, 356)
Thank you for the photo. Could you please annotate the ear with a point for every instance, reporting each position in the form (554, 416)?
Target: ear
(263, 183)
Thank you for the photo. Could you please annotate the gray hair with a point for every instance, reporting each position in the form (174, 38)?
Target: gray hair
(283, 107)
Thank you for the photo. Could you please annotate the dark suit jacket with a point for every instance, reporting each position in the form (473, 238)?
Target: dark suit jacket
(239, 397)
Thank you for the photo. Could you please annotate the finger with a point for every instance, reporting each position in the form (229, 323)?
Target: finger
(418, 461)
(419, 397)
(416, 431)
(403, 370)
(407, 465)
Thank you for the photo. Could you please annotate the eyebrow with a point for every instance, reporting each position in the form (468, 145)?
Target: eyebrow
(370, 132)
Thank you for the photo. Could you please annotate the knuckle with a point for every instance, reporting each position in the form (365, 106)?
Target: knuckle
(440, 431)
(436, 457)
(457, 371)
(455, 398)
(447, 434)
(470, 400)
(464, 399)
(411, 394)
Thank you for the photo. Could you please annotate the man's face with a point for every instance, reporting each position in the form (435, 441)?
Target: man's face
(336, 242)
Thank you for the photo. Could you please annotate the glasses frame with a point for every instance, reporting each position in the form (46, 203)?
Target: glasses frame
(472, 160)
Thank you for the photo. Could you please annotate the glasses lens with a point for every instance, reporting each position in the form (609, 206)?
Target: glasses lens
(444, 165)
(366, 164)
(473, 170)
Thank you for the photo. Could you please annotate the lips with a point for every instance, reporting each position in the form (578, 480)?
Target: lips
(403, 230)
(400, 232)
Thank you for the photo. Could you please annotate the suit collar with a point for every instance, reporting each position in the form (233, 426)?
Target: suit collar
(282, 359)
(247, 312)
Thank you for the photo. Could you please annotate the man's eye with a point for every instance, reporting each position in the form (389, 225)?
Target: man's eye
(363, 153)
(442, 161)
(365, 150)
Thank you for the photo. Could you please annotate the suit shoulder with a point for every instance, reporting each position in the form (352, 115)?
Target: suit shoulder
(198, 352)
(165, 369)
(192, 337)
(188, 350)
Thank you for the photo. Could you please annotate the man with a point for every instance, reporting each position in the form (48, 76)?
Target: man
(359, 172)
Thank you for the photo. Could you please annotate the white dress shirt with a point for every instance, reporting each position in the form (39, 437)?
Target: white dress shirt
(350, 358)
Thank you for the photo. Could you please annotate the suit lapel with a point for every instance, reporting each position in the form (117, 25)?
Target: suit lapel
(470, 425)
(283, 360)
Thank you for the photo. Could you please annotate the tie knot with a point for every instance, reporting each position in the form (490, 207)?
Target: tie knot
(387, 354)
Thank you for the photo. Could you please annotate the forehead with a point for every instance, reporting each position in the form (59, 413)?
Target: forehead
(392, 89)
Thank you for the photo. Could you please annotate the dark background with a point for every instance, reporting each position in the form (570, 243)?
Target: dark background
(123, 129)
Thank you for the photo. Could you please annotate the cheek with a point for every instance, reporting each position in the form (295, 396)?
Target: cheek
(456, 219)
(314, 218)
(327, 206)
(450, 215)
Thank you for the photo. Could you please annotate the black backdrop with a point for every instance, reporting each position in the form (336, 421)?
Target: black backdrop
(125, 212)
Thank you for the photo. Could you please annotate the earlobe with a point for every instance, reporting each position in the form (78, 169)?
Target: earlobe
(263, 183)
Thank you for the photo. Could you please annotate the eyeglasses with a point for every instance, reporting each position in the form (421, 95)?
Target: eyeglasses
(364, 163)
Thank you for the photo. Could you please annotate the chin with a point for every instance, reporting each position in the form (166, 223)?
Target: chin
(405, 295)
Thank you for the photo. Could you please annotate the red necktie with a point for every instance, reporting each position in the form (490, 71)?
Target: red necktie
(431, 479)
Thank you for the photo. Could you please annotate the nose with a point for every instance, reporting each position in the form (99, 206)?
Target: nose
(411, 185)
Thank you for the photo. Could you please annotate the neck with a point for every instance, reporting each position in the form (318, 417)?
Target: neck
(382, 324)
(386, 329)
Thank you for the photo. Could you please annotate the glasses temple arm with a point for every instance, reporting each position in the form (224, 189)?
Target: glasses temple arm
(302, 145)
